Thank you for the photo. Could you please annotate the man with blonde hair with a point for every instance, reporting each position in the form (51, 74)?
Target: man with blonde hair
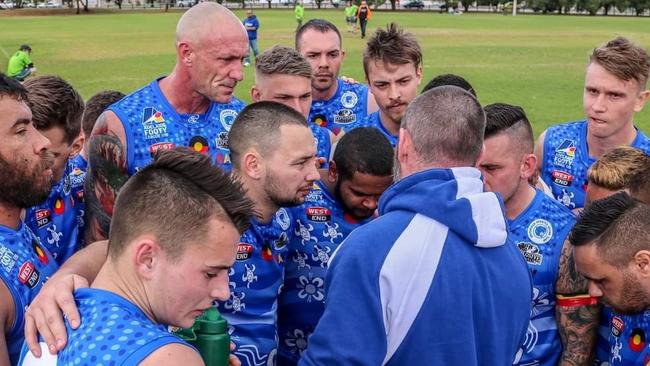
(614, 171)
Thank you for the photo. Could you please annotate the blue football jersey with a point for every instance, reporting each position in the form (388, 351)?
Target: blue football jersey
(152, 124)
(320, 226)
(347, 107)
(539, 232)
(626, 339)
(58, 222)
(374, 120)
(566, 161)
(113, 331)
(255, 281)
(24, 266)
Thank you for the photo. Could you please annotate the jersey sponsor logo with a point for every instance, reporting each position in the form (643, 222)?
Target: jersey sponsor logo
(59, 206)
(540, 231)
(223, 158)
(637, 340)
(161, 146)
(349, 99)
(42, 217)
(562, 178)
(314, 196)
(617, 326)
(7, 258)
(531, 253)
(345, 116)
(227, 118)
(39, 251)
(153, 123)
(565, 154)
(282, 217)
(77, 177)
(222, 140)
(28, 275)
(320, 120)
(244, 251)
(318, 214)
(199, 144)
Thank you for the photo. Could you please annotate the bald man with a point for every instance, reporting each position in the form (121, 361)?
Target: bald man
(192, 106)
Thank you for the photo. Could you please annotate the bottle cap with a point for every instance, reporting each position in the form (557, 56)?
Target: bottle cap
(211, 322)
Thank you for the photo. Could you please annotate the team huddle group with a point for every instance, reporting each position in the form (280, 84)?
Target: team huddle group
(330, 222)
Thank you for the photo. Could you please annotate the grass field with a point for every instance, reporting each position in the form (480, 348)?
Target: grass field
(533, 61)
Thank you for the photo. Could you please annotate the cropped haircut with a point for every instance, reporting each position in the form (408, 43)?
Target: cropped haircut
(450, 79)
(446, 125)
(614, 169)
(392, 46)
(258, 125)
(623, 59)
(11, 88)
(639, 185)
(95, 106)
(618, 225)
(55, 103)
(320, 25)
(282, 60)
(174, 199)
(512, 120)
(363, 150)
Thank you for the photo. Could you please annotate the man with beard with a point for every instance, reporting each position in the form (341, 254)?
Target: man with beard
(344, 199)
(611, 245)
(434, 280)
(564, 318)
(615, 88)
(189, 107)
(274, 157)
(337, 105)
(393, 66)
(282, 75)
(56, 113)
(25, 180)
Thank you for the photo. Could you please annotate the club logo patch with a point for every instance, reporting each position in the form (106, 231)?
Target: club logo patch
(282, 218)
(345, 116)
(349, 99)
(540, 231)
(153, 123)
(222, 140)
(227, 118)
(565, 154)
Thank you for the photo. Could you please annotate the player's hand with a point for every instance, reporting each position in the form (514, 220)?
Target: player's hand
(349, 80)
(233, 360)
(45, 314)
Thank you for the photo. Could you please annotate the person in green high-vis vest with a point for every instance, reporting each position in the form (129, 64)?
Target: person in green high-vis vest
(20, 64)
(351, 16)
(300, 12)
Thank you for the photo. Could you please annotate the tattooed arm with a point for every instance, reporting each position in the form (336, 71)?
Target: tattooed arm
(107, 173)
(577, 321)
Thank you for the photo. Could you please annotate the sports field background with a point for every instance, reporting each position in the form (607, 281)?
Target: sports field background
(533, 61)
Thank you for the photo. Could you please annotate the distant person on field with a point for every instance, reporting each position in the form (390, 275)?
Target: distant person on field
(351, 16)
(20, 64)
(299, 10)
(364, 14)
(251, 24)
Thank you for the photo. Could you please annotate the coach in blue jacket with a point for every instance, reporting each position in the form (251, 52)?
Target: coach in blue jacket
(435, 279)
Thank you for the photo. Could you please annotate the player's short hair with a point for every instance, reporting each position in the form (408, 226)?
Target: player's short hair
(510, 119)
(258, 125)
(320, 25)
(363, 150)
(392, 46)
(623, 59)
(450, 79)
(25, 47)
(284, 61)
(174, 199)
(639, 185)
(447, 124)
(618, 225)
(614, 169)
(11, 88)
(55, 103)
(95, 106)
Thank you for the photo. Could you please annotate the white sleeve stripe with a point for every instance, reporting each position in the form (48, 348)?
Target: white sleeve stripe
(406, 276)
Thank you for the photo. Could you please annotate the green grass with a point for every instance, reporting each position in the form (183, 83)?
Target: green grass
(534, 61)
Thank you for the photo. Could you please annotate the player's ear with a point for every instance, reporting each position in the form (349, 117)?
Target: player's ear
(332, 173)
(528, 166)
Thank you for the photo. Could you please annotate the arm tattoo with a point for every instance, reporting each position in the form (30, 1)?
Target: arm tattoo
(577, 325)
(106, 174)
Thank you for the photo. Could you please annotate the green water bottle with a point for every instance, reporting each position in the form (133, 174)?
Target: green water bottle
(209, 335)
